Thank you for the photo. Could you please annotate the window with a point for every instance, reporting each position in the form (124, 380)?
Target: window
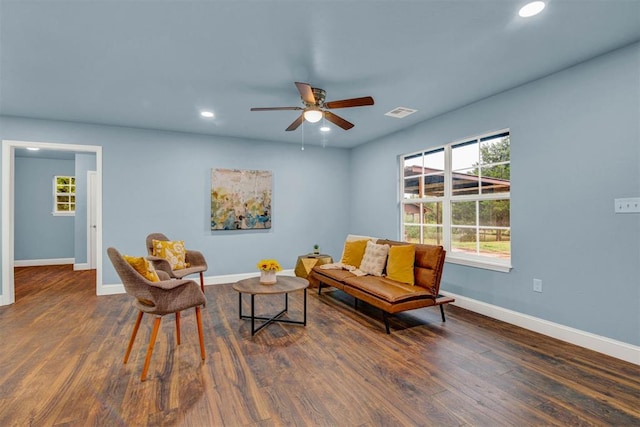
(458, 196)
(64, 195)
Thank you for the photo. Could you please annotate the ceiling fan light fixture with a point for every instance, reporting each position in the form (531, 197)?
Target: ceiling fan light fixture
(312, 115)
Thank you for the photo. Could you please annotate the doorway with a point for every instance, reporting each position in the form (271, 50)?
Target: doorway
(8, 208)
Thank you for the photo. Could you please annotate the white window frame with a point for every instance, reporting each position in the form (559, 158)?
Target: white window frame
(462, 258)
(55, 211)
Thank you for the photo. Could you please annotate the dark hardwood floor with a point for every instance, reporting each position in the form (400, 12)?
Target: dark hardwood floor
(62, 349)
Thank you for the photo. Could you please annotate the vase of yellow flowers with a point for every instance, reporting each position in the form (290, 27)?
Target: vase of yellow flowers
(268, 269)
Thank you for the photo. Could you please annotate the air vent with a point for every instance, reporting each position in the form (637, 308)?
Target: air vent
(400, 112)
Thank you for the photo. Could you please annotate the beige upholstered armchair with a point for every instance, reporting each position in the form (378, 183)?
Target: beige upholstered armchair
(159, 298)
(195, 262)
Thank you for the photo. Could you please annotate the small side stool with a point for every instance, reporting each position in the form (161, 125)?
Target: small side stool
(306, 262)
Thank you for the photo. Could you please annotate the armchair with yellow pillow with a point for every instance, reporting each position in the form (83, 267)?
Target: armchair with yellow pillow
(158, 295)
(173, 258)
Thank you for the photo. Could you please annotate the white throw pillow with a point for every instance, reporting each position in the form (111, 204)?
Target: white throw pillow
(375, 258)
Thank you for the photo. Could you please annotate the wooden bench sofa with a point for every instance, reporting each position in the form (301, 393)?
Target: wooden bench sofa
(391, 296)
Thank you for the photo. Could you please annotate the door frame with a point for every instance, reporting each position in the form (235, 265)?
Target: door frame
(8, 207)
(92, 227)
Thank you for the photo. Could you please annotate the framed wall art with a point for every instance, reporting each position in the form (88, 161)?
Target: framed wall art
(240, 199)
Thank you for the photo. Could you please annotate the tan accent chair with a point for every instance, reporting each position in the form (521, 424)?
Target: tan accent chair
(197, 263)
(158, 298)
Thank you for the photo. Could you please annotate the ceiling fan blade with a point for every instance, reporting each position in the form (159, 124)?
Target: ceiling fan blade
(275, 108)
(353, 102)
(297, 122)
(337, 120)
(306, 93)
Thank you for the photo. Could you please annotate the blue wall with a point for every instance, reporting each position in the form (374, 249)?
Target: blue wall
(575, 147)
(38, 234)
(157, 181)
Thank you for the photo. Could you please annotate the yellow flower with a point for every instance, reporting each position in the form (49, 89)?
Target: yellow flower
(269, 264)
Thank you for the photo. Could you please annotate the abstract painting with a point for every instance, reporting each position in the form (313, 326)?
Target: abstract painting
(240, 199)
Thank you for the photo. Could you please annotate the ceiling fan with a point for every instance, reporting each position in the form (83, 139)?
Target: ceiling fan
(315, 107)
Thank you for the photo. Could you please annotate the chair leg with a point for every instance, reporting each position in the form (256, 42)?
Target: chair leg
(178, 327)
(200, 334)
(133, 336)
(152, 341)
(442, 313)
(202, 281)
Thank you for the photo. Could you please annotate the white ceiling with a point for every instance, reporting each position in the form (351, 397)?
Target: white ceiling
(155, 64)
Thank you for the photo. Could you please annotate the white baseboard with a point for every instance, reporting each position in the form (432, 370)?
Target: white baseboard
(118, 288)
(39, 262)
(232, 278)
(608, 346)
(78, 267)
(114, 289)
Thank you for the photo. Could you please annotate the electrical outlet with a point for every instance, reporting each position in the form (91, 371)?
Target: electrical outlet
(537, 285)
(629, 205)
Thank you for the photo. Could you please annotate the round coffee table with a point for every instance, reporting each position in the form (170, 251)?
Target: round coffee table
(284, 285)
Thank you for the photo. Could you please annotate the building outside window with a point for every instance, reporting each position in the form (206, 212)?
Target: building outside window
(458, 196)
(64, 195)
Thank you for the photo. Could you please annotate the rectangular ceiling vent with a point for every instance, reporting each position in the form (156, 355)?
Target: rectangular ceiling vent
(400, 112)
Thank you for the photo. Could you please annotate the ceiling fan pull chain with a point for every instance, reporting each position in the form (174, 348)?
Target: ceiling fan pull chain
(302, 149)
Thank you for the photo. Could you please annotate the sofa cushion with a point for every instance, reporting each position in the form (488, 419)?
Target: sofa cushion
(400, 263)
(375, 258)
(387, 289)
(428, 256)
(428, 267)
(353, 252)
(333, 273)
(428, 264)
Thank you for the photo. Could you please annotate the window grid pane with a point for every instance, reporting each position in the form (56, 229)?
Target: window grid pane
(64, 194)
(477, 196)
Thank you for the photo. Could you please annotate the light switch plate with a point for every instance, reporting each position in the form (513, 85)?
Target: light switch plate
(628, 205)
(537, 285)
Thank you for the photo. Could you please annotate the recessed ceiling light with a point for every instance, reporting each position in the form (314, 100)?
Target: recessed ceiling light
(207, 114)
(325, 129)
(33, 148)
(531, 9)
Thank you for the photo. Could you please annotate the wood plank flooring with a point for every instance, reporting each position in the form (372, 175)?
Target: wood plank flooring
(62, 349)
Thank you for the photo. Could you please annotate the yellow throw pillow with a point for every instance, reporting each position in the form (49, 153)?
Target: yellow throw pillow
(400, 263)
(353, 252)
(172, 251)
(142, 266)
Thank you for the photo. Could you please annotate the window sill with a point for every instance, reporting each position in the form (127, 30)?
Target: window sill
(63, 213)
(479, 263)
